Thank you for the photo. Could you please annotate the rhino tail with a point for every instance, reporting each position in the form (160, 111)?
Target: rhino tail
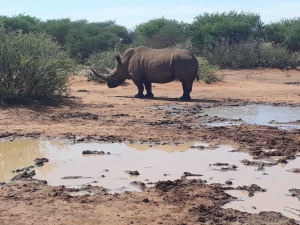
(197, 76)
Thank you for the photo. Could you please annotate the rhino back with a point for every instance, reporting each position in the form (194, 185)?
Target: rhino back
(160, 65)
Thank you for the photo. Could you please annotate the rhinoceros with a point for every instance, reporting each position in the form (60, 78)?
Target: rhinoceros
(145, 66)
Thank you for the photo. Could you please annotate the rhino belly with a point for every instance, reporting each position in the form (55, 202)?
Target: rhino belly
(160, 78)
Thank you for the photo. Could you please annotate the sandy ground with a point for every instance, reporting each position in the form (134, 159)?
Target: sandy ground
(95, 113)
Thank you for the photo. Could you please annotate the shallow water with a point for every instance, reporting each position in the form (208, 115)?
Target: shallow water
(256, 114)
(153, 163)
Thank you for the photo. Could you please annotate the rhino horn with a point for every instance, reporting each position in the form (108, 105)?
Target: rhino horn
(102, 76)
(108, 70)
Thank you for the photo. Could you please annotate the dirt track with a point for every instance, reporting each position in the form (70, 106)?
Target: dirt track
(96, 113)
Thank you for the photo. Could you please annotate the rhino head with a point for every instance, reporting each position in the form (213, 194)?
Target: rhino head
(116, 76)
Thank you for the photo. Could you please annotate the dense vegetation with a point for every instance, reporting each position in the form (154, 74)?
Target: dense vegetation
(32, 66)
(36, 52)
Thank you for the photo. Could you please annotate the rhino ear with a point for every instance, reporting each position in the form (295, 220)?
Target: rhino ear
(118, 58)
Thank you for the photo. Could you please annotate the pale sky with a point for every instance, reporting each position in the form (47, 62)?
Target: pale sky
(133, 12)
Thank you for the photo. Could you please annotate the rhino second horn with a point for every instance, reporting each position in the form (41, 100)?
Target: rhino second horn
(103, 77)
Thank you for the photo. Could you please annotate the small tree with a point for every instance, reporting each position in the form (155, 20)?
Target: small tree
(159, 33)
(208, 29)
(32, 66)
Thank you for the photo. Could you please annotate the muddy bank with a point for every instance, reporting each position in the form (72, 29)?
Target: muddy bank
(193, 202)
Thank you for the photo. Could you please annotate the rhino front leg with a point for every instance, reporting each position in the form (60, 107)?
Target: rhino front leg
(148, 86)
(140, 86)
(187, 89)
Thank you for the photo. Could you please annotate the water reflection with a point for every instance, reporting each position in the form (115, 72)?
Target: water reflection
(256, 114)
(18, 154)
(157, 162)
(166, 148)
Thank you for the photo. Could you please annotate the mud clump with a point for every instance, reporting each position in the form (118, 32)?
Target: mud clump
(23, 169)
(94, 152)
(251, 189)
(212, 214)
(188, 174)
(72, 115)
(200, 147)
(259, 154)
(167, 185)
(40, 161)
(138, 184)
(82, 90)
(294, 170)
(260, 165)
(146, 200)
(90, 189)
(24, 175)
(228, 182)
(224, 166)
(219, 164)
(74, 177)
(229, 168)
(295, 192)
(296, 122)
(120, 114)
(132, 172)
(246, 162)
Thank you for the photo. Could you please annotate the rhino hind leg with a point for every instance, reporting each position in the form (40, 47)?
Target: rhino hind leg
(148, 86)
(187, 89)
(140, 86)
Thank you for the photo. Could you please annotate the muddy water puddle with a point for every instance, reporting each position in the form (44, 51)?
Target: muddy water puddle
(153, 163)
(282, 116)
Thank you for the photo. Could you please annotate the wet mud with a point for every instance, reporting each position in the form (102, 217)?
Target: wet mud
(228, 192)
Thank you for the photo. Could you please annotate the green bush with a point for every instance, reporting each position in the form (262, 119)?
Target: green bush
(101, 62)
(86, 38)
(59, 29)
(278, 57)
(251, 54)
(32, 66)
(207, 71)
(235, 56)
(22, 22)
(209, 28)
(159, 33)
(285, 32)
